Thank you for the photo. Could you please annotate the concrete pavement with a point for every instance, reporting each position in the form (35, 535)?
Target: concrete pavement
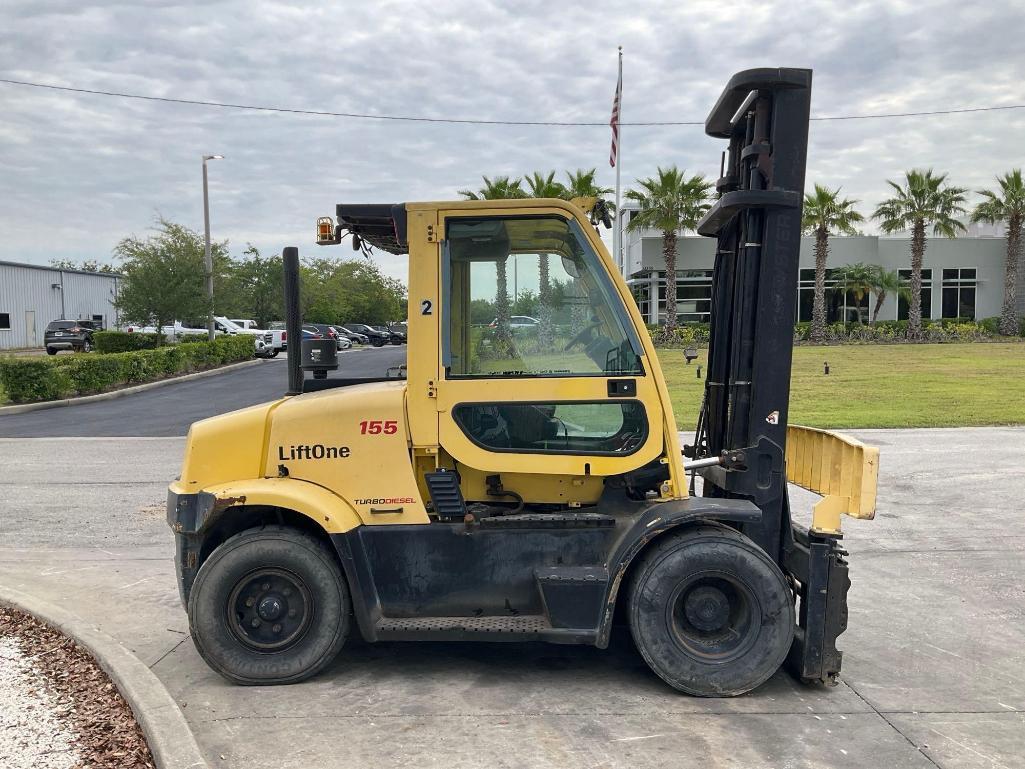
(934, 667)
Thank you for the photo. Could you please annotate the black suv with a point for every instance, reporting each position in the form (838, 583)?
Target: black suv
(398, 334)
(74, 335)
(377, 338)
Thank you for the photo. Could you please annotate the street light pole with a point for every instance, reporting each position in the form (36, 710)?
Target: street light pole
(209, 262)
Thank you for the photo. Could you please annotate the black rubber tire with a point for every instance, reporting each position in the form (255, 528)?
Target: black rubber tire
(716, 555)
(227, 566)
(378, 343)
(51, 350)
(87, 346)
(273, 353)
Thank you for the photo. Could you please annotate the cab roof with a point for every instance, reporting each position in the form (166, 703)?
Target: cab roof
(383, 225)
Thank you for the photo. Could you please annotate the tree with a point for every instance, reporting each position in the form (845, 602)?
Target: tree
(87, 265)
(857, 279)
(670, 202)
(251, 288)
(1008, 206)
(542, 186)
(164, 275)
(825, 212)
(582, 184)
(501, 188)
(884, 283)
(924, 199)
(350, 291)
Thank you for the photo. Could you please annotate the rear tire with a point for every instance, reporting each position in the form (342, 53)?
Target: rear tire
(269, 606)
(273, 353)
(378, 343)
(51, 350)
(711, 613)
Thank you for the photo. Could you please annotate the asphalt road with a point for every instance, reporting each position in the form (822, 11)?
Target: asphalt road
(168, 411)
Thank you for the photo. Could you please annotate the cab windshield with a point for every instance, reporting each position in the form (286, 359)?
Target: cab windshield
(528, 297)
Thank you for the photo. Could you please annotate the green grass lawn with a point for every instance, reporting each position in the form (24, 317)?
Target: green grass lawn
(901, 385)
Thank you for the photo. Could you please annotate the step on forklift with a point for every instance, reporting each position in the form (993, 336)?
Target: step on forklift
(527, 482)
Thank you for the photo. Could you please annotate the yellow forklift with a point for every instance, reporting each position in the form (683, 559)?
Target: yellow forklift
(524, 480)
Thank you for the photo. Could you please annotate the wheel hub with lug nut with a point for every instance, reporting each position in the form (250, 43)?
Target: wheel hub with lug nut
(707, 608)
(270, 609)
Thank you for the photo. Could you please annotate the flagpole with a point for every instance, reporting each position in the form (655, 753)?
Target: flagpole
(617, 235)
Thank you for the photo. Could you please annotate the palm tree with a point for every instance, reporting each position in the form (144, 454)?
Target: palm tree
(670, 202)
(884, 283)
(1007, 205)
(924, 199)
(582, 184)
(500, 188)
(857, 279)
(825, 212)
(542, 186)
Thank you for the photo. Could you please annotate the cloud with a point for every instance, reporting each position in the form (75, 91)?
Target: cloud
(80, 172)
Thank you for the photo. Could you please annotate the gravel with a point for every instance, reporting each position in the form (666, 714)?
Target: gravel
(58, 709)
(35, 730)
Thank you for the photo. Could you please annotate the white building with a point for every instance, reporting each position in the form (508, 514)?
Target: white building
(961, 277)
(32, 295)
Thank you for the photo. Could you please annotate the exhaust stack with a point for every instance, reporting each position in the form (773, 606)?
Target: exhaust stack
(293, 321)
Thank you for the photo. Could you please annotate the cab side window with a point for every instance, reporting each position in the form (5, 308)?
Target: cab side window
(529, 297)
(599, 427)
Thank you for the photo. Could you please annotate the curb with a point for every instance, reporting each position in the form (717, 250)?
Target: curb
(170, 740)
(23, 408)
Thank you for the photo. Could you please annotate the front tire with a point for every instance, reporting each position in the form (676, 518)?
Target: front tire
(269, 606)
(51, 350)
(378, 343)
(711, 613)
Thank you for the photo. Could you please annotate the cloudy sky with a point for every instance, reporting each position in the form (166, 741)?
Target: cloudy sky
(79, 172)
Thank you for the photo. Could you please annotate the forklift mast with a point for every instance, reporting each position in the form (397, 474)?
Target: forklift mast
(756, 222)
(757, 225)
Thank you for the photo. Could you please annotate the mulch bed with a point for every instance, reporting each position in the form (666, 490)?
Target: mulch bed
(108, 735)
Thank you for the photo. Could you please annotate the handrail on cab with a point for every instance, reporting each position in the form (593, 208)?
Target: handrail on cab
(842, 469)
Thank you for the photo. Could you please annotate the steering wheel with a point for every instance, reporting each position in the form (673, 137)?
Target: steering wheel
(583, 336)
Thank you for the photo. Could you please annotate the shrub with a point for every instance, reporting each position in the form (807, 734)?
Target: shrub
(122, 341)
(32, 379)
(39, 379)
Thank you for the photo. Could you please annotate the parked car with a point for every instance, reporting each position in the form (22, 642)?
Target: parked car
(396, 335)
(351, 336)
(328, 331)
(229, 326)
(74, 335)
(276, 337)
(518, 322)
(376, 338)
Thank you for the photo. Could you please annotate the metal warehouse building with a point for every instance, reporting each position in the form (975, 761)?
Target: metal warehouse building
(32, 295)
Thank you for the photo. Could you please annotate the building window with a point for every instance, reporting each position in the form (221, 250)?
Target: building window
(959, 286)
(5, 321)
(902, 303)
(841, 307)
(693, 296)
(642, 296)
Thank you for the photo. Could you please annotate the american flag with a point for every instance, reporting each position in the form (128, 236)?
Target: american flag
(614, 122)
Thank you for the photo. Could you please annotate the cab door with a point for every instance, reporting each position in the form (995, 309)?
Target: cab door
(542, 368)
